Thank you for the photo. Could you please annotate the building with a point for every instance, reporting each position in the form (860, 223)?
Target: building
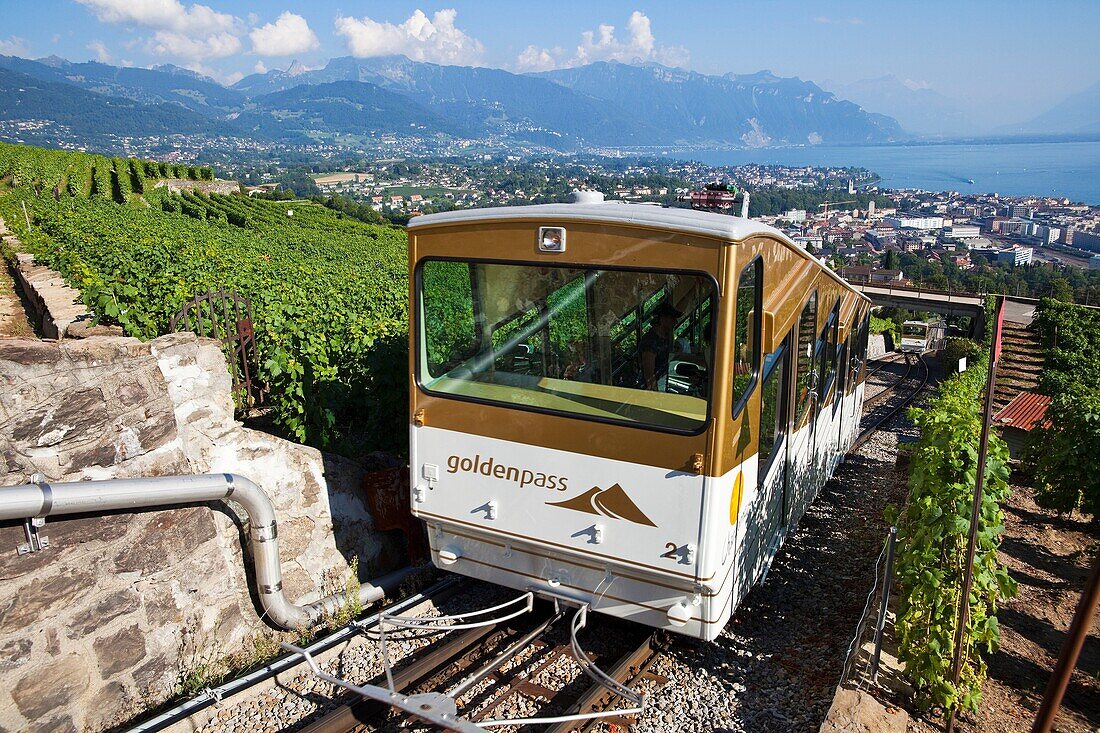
(913, 221)
(962, 231)
(1019, 211)
(1015, 256)
(794, 215)
(1047, 234)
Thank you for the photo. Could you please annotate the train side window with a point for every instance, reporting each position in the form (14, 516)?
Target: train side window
(773, 418)
(829, 338)
(746, 338)
(451, 333)
(805, 384)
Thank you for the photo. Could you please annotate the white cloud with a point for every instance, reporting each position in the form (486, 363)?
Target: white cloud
(163, 15)
(217, 46)
(603, 45)
(188, 32)
(102, 54)
(260, 67)
(14, 46)
(420, 38)
(534, 58)
(288, 35)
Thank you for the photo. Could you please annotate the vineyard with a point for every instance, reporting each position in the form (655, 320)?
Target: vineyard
(329, 293)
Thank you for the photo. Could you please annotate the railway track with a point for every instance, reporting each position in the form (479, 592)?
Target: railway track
(516, 670)
(921, 376)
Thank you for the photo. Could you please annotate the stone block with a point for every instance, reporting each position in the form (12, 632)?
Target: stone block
(38, 601)
(120, 651)
(77, 412)
(165, 539)
(50, 688)
(106, 610)
(854, 711)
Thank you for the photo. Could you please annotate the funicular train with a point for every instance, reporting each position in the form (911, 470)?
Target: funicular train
(915, 337)
(622, 404)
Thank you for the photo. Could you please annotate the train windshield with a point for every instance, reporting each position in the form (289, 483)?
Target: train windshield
(613, 345)
(914, 329)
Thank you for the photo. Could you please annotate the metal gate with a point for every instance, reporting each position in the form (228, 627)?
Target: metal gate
(226, 317)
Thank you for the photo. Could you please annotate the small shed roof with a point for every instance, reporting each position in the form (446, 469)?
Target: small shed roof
(1025, 412)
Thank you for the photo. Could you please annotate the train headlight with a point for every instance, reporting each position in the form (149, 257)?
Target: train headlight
(551, 239)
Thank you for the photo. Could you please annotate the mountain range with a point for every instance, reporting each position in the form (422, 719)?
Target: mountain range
(600, 105)
(916, 107)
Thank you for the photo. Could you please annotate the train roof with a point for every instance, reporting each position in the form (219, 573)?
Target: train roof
(645, 216)
(648, 216)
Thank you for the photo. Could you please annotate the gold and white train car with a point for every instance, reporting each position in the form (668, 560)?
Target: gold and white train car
(624, 404)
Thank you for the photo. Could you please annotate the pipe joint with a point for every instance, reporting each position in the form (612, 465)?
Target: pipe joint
(266, 533)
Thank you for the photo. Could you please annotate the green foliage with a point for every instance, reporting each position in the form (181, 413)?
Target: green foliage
(932, 541)
(1064, 453)
(959, 348)
(884, 325)
(329, 294)
(891, 260)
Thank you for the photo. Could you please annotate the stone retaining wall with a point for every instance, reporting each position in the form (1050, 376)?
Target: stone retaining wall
(101, 624)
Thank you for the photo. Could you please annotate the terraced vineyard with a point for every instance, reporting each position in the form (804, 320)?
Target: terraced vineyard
(328, 292)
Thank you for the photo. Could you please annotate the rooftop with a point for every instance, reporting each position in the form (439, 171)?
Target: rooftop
(688, 221)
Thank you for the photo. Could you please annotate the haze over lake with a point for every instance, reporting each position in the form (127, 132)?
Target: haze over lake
(1052, 169)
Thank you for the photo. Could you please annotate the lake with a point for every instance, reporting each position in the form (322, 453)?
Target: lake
(1041, 169)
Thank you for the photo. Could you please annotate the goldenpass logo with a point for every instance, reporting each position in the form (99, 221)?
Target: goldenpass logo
(612, 503)
(492, 469)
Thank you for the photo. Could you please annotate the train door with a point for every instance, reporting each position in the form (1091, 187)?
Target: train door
(800, 449)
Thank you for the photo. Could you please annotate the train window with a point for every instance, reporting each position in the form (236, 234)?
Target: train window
(829, 337)
(746, 337)
(805, 376)
(859, 349)
(773, 417)
(611, 345)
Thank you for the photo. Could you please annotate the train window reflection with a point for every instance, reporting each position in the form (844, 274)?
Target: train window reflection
(746, 337)
(805, 383)
(616, 345)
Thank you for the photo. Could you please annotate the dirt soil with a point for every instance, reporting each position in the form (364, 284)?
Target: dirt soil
(1050, 557)
(13, 316)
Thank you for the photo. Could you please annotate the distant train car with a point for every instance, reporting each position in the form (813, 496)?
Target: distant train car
(914, 337)
(626, 405)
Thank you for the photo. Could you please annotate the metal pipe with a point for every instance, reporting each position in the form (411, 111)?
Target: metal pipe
(43, 499)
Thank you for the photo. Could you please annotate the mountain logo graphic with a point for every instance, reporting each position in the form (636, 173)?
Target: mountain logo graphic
(613, 503)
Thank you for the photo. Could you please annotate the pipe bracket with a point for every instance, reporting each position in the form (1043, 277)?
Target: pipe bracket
(271, 589)
(266, 534)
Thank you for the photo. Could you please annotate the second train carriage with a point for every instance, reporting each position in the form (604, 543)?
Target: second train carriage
(622, 404)
(915, 337)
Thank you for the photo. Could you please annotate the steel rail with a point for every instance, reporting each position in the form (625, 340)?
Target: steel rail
(866, 433)
(598, 697)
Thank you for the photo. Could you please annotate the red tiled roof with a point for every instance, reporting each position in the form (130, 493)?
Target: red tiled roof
(1025, 411)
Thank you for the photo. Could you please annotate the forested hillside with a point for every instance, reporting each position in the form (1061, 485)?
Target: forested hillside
(328, 292)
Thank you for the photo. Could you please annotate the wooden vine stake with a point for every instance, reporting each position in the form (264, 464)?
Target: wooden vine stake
(976, 510)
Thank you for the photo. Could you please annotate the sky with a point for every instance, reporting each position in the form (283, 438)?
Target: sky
(1003, 59)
